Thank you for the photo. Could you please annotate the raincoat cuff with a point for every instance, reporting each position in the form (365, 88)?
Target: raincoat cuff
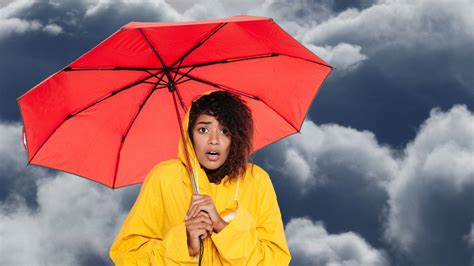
(242, 223)
(176, 245)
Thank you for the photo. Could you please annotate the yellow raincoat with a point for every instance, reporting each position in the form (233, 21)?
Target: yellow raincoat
(154, 233)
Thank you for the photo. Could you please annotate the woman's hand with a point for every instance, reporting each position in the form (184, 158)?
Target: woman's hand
(199, 226)
(204, 203)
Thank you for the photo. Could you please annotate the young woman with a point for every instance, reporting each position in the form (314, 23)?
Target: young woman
(235, 213)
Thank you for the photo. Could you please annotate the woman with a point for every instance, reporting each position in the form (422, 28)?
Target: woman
(235, 213)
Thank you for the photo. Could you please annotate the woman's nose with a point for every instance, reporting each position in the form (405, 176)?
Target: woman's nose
(213, 138)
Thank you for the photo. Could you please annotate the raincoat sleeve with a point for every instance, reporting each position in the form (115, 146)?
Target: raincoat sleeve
(248, 240)
(141, 240)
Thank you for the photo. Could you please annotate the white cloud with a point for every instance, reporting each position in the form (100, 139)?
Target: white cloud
(12, 8)
(343, 56)
(380, 29)
(96, 7)
(434, 171)
(12, 23)
(310, 244)
(439, 160)
(9, 26)
(73, 215)
(398, 23)
(160, 8)
(311, 154)
(53, 29)
(470, 237)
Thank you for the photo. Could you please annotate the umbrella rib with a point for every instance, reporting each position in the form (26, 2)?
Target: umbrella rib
(110, 95)
(179, 66)
(309, 60)
(71, 69)
(182, 76)
(165, 68)
(226, 61)
(240, 93)
(199, 44)
(216, 85)
(179, 82)
(130, 126)
(90, 105)
(181, 100)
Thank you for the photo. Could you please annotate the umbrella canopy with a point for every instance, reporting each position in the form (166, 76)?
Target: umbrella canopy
(114, 113)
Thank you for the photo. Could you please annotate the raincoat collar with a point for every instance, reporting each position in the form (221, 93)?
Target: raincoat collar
(202, 182)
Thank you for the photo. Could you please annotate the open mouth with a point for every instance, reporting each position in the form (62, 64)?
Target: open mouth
(212, 155)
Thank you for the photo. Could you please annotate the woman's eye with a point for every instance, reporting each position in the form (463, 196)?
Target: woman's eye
(202, 130)
(225, 131)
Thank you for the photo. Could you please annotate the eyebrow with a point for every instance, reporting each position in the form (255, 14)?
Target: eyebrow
(204, 122)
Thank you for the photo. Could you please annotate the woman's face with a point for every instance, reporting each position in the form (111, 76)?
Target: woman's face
(211, 142)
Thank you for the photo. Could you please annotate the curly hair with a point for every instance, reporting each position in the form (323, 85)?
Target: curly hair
(233, 113)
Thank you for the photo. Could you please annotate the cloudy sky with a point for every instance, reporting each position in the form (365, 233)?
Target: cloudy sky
(381, 174)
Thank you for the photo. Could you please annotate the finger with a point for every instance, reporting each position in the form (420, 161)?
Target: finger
(202, 231)
(197, 232)
(195, 198)
(193, 207)
(203, 236)
(193, 210)
(205, 226)
(197, 227)
(202, 218)
(205, 218)
(199, 208)
(199, 196)
(198, 199)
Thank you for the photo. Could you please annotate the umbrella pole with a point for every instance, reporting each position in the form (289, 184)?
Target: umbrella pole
(191, 175)
(185, 143)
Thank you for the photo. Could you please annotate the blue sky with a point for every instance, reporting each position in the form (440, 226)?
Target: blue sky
(381, 174)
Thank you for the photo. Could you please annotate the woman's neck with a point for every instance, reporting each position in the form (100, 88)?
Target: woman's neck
(212, 176)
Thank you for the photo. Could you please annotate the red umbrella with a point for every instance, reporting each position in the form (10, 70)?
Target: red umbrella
(111, 115)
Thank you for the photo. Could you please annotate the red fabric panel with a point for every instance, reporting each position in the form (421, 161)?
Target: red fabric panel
(171, 43)
(222, 45)
(153, 138)
(88, 144)
(126, 48)
(45, 106)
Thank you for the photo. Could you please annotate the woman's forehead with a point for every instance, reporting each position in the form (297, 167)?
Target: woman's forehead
(206, 119)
